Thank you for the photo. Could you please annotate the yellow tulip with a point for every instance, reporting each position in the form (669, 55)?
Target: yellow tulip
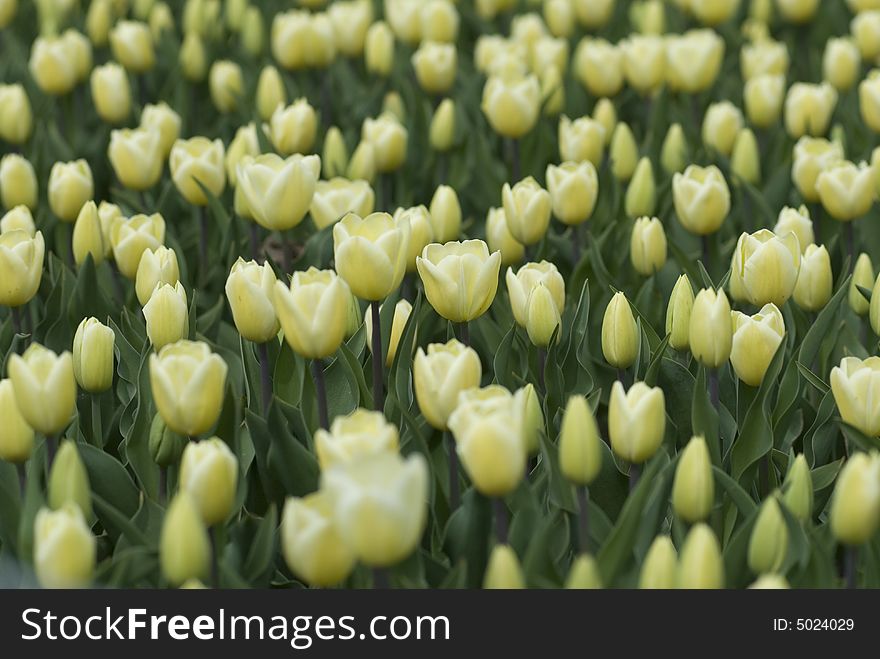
(278, 192)
(660, 565)
(841, 62)
(500, 239)
(798, 485)
(351, 438)
(311, 541)
(167, 315)
(460, 278)
(111, 93)
(527, 208)
(402, 311)
(45, 388)
(379, 49)
(853, 384)
(693, 60)
(184, 548)
(811, 157)
(69, 480)
(511, 104)
(436, 65)
(863, 275)
(132, 46)
(388, 138)
(678, 313)
(580, 449)
(503, 571)
(644, 62)
(620, 334)
(21, 266)
(598, 65)
(370, 254)
(250, 291)
(16, 436)
(721, 124)
(93, 348)
(165, 120)
(636, 421)
(198, 161)
(846, 190)
(70, 186)
(581, 139)
(700, 564)
(313, 312)
(209, 474)
(808, 109)
(814, 283)
(648, 246)
(574, 189)
(762, 97)
(16, 116)
(270, 92)
(136, 156)
(132, 237)
(52, 65)
(64, 548)
(226, 85)
(18, 182)
(445, 214)
(674, 151)
(701, 198)
(711, 332)
(798, 222)
(439, 375)
(855, 505)
(768, 544)
(293, 128)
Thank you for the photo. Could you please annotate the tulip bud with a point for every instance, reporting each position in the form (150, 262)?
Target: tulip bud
(334, 157)
(798, 222)
(713, 12)
(226, 85)
(573, 189)
(620, 334)
(641, 195)
(700, 565)
(16, 117)
(460, 278)
(45, 388)
(540, 309)
(137, 157)
(64, 548)
(198, 161)
(93, 346)
(21, 262)
(678, 314)
(313, 312)
(762, 96)
(720, 127)
(852, 383)
(500, 239)
(161, 21)
(132, 45)
(811, 158)
(311, 541)
(362, 165)
(379, 504)
(371, 253)
(69, 481)
(442, 130)
(674, 152)
(209, 474)
(440, 375)
(488, 426)
(841, 62)
(701, 198)
(70, 186)
(768, 543)
(132, 237)
(636, 421)
(864, 28)
(648, 246)
(797, 11)
(16, 436)
(584, 573)
(421, 231)
(808, 108)
(18, 219)
(543, 316)
(660, 565)
(693, 490)
(755, 341)
(745, 160)
(51, 65)
(846, 191)
(379, 49)
(166, 121)
(354, 437)
(581, 139)
(402, 311)
(693, 60)
(166, 446)
(711, 333)
(252, 31)
(604, 117)
(527, 205)
(503, 571)
(193, 59)
(278, 191)
(445, 214)
(814, 283)
(855, 505)
(798, 486)
(88, 238)
(111, 93)
(79, 50)
(184, 548)
(250, 290)
(770, 582)
(436, 65)
(99, 20)
(511, 104)
(598, 65)
(644, 62)
(167, 315)
(18, 182)
(624, 152)
(157, 267)
(863, 275)
(388, 138)
(580, 451)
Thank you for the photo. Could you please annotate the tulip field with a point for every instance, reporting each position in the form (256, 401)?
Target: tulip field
(439, 294)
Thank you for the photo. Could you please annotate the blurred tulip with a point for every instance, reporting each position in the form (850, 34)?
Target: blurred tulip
(674, 152)
(18, 182)
(209, 473)
(701, 198)
(16, 436)
(166, 121)
(292, 129)
(311, 541)
(184, 547)
(660, 565)
(693, 60)
(512, 104)
(137, 157)
(132, 46)
(389, 140)
(64, 548)
(196, 161)
(16, 116)
(351, 438)
(581, 139)
(500, 239)
(503, 571)
(855, 504)
(846, 190)
(700, 562)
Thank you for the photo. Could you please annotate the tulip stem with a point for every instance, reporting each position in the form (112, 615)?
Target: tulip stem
(583, 498)
(97, 429)
(500, 520)
(513, 146)
(542, 364)
(163, 484)
(16, 320)
(321, 388)
(203, 237)
(635, 472)
(464, 333)
(380, 579)
(850, 236)
(265, 379)
(255, 241)
(576, 244)
(118, 291)
(378, 402)
(22, 479)
(850, 566)
(453, 470)
(714, 393)
(51, 442)
(706, 255)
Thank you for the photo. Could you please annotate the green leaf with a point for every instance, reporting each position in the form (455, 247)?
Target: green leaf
(704, 416)
(738, 496)
(109, 479)
(821, 329)
(502, 366)
(262, 549)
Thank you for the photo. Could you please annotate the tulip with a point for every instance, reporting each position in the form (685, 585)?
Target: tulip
(624, 152)
(814, 283)
(855, 504)
(768, 543)
(45, 388)
(193, 59)
(335, 198)
(641, 195)
(109, 214)
(765, 267)
(389, 140)
(770, 582)
(355, 437)
(598, 65)
(713, 12)
(798, 222)
(841, 62)
(161, 20)
(379, 504)
(648, 246)
(402, 311)
(441, 133)
(379, 49)
(503, 571)
(226, 85)
(700, 563)
(620, 334)
(188, 383)
(693, 489)
(8, 9)
(511, 104)
(755, 341)
(132, 237)
(445, 214)
(64, 548)
(762, 97)
(52, 66)
(678, 314)
(184, 547)
(79, 49)
(439, 21)
(334, 157)
(421, 231)
(720, 126)
(797, 11)
(209, 474)
(500, 239)
(798, 496)
(811, 158)
(584, 573)
(167, 315)
(68, 481)
(111, 93)
(250, 290)
(573, 189)
(313, 312)
(70, 186)
(852, 384)
(808, 108)
(195, 164)
(488, 426)
(711, 333)
(16, 436)
(440, 375)
(252, 31)
(362, 165)
(644, 62)
(636, 421)
(606, 116)
(292, 128)
(16, 116)
(370, 254)
(580, 449)
(660, 565)
(863, 275)
(673, 153)
(270, 92)
(552, 92)
(593, 13)
(278, 192)
(350, 21)
(460, 278)
(436, 65)
(581, 139)
(156, 268)
(165, 120)
(745, 160)
(846, 190)
(21, 264)
(693, 60)
(19, 218)
(93, 347)
(548, 53)
(311, 541)
(522, 285)
(136, 156)
(132, 46)
(527, 207)
(18, 182)
(559, 16)
(864, 28)
(701, 198)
